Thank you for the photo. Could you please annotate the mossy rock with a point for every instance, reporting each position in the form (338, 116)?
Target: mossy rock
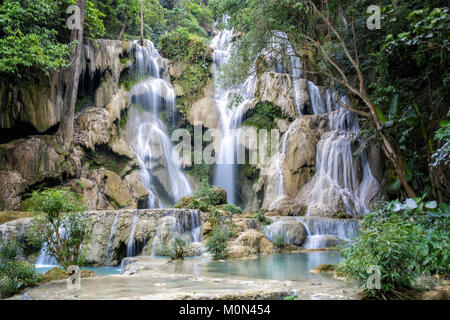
(324, 268)
(219, 196)
(60, 274)
(6, 216)
(55, 274)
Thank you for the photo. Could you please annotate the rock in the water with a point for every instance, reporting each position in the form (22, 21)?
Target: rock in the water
(293, 231)
(249, 243)
(324, 268)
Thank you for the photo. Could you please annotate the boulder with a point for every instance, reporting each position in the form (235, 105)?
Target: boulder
(219, 196)
(254, 240)
(205, 112)
(116, 190)
(294, 231)
(324, 268)
(240, 252)
(277, 89)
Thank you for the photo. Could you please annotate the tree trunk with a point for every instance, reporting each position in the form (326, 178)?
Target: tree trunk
(142, 22)
(122, 30)
(65, 131)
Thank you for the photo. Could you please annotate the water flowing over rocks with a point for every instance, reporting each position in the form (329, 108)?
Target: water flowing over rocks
(37, 160)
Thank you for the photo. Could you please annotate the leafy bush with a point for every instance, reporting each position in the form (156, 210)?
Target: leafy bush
(59, 223)
(15, 275)
(262, 116)
(279, 241)
(405, 240)
(217, 242)
(175, 249)
(232, 208)
(212, 195)
(262, 218)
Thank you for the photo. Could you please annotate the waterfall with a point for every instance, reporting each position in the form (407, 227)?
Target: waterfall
(131, 247)
(230, 116)
(44, 260)
(4, 237)
(111, 238)
(151, 99)
(336, 172)
(171, 227)
(279, 166)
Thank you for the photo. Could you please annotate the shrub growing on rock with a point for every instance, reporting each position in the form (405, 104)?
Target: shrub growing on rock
(217, 242)
(405, 240)
(232, 208)
(279, 241)
(214, 196)
(15, 274)
(262, 218)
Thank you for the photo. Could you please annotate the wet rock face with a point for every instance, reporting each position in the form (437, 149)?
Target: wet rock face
(248, 244)
(39, 102)
(205, 112)
(298, 164)
(37, 160)
(112, 232)
(277, 89)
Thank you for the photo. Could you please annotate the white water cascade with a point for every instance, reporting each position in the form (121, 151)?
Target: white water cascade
(171, 227)
(230, 115)
(152, 98)
(336, 167)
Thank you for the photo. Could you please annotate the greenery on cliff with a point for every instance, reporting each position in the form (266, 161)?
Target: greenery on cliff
(398, 74)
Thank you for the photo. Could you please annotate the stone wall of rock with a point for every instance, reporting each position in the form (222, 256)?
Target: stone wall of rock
(36, 161)
(111, 232)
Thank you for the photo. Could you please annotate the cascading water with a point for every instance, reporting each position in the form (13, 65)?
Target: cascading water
(4, 237)
(230, 116)
(147, 134)
(335, 164)
(131, 247)
(172, 227)
(112, 234)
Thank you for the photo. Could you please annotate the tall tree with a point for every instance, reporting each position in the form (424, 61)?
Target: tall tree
(65, 131)
(142, 22)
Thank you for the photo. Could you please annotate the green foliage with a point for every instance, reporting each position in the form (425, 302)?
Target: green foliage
(291, 297)
(211, 195)
(29, 33)
(217, 242)
(279, 241)
(59, 223)
(191, 15)
(176, 249)
(124, 15)
(262, 218)
(15, 275)
(405, 240)
(262, 116)
(193, 203)
(232, 208)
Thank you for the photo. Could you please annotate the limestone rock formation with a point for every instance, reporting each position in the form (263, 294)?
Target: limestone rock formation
(293, 231)
(249, 243)
(277, 89)
(205, 112)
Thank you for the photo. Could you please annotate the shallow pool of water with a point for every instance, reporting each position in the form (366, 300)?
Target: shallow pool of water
(278, 267)
(100, 271)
